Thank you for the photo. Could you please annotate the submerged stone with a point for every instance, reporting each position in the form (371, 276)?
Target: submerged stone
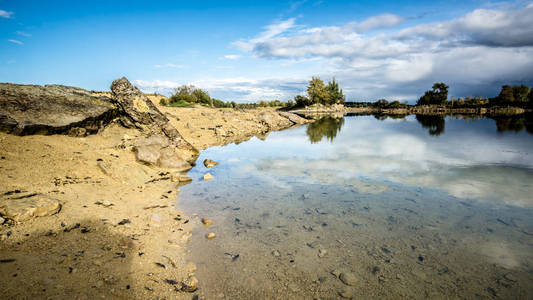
(348, 278)
(210, 163)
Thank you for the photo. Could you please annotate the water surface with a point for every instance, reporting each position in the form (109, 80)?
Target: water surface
(414, 207)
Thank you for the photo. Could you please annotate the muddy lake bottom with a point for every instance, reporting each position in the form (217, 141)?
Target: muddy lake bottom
(404, 211)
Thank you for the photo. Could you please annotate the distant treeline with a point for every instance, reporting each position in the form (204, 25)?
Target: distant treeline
(317, 92)
(381, 103)
(516, 95)
(188, 95)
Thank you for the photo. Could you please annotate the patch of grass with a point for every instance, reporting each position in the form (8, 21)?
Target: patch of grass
(180, 103)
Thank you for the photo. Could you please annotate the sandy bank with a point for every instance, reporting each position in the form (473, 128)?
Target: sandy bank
(118, 233)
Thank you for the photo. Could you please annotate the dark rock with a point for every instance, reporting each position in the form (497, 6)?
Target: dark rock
(124, 221)
(160, 265)
(52, 109)
(75, 226)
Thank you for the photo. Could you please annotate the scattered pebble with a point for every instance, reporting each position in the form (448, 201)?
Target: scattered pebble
(156, 219)
(186, 236)
(322, 252)
(208, 176)
(346, 293)
(234, 257)
(170, 260)
(104, 203)
(210, 235)
(75, 226)
(2, 220)
(348, 278)
(207, 222)
(276, 253)
(180, 178)
(190, 267)
(190, 285)
(124, 221)
(210, 163)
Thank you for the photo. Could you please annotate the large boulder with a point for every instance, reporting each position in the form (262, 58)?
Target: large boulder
(51, 109)
(158, 151)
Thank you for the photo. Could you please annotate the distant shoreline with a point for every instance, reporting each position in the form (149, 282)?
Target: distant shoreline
(422, 110)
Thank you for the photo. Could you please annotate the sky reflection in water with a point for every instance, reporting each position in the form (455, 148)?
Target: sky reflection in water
(417, 187)
(465, 158)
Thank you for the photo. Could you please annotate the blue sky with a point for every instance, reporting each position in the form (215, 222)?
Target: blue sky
(251, 50)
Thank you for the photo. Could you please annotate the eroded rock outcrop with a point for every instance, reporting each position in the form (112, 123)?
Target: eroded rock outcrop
(164, 146)
(56, 109)
(51, 109)
(142, 111)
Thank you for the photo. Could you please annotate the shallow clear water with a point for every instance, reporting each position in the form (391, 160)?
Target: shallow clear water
(421, 207)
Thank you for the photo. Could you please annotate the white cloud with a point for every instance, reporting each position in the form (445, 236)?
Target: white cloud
(169, 66)
(500, 28)
(22, 33)
(474, 54)
(5, 14)
(232, 89)
(380, 21)
(295, 5)
(270, 31)
(232, 56)
(15, 41)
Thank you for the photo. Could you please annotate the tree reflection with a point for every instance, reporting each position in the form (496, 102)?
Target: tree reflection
(514, 123)
(324, 127)
(435, 123)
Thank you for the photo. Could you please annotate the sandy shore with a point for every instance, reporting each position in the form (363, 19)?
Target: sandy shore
(118, 233)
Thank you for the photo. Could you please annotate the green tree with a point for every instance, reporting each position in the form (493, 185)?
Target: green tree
(316, 91)
(183, 93)
(440, 90)
(202, 97)
(437, 96)
(506, 95)
(302, 101)
(381, 103)
(335, 94)
(520, 93)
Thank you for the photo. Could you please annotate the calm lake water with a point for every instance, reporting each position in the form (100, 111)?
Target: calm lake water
(414, 207)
